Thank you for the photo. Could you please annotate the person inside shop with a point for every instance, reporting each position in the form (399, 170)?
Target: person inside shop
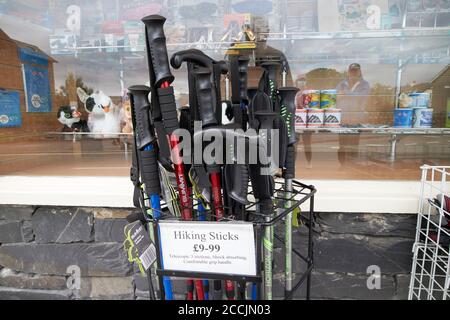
(263, 52)
(353, 93)
(354, 84)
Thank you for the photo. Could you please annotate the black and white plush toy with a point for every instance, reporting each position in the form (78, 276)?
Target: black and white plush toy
(71, 119)
(104, 115)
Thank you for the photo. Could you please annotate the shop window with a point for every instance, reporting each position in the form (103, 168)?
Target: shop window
(374, 99)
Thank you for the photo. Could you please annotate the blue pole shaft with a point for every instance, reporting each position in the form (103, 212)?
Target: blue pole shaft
(155, 203)
(202, 217)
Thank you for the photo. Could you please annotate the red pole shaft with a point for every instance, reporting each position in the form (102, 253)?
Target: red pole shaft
(217, 195)
(185, 200)
(218, 209)
(183, 189)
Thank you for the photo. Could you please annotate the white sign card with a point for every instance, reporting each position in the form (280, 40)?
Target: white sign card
(224, 248)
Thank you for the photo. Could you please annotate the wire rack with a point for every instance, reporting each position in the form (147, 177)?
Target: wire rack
(430, 274)
(299, 195)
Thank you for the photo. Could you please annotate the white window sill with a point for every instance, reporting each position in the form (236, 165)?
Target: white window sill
(332, 195)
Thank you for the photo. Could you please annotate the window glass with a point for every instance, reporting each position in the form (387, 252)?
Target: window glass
(373, 79)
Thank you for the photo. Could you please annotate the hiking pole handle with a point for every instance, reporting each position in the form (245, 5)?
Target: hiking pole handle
(266, 119)
(287, 102)
(206, 96)
(243, 77)
(140, 107)
(238, 75)
(156, 44)
(271, 68)
(160, 75)
(196, 57)
(145, 136)
(237, 178)
(147, 156)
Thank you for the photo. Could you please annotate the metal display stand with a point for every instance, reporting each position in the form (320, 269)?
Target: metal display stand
(430, 274)
(300, 194)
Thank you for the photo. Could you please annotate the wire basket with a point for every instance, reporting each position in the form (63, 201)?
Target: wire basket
(283, 204)
(430, 274)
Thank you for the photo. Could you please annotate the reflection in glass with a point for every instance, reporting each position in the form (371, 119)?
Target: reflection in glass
(378, 56)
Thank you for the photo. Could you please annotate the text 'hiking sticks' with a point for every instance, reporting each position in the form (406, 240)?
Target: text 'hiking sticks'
(146, 157)
(163, 98)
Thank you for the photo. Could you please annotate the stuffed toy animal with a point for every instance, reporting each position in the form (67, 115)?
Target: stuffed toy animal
(125, 117)
(405, 100)
(104, 117)
(70, 117)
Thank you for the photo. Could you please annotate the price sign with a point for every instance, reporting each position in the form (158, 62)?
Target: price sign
(224, 248)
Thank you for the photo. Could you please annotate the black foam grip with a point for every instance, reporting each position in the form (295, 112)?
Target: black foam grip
(262, 185)
(156, 43)
(150, 171)
(283, 140)
(237, 177)
(266, 119)
(217, 70)
(137, 197)
(197, 57)
(251, 92)
(234, 77)
(140, 109)
(289, 172)
(238, 114)
(185, 119)
(185, 123)
(164, 155)
(260, 102)
(206, 96)
(287, 99)
(271, 67)
(243, 75)
(168, 107)
(191, 55)
(134, 177)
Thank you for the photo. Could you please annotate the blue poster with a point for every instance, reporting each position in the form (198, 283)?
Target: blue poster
(37, 89)
(10, 115)
(28, 55)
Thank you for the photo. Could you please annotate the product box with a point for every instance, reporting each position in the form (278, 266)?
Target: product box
(316, 118)
(403, 118)
(328, 99)
(332, 117)
(301, 118)
(419, 100)
(423, 118)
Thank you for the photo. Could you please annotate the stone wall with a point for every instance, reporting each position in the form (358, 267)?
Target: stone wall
(42, 247)
(346, 244)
